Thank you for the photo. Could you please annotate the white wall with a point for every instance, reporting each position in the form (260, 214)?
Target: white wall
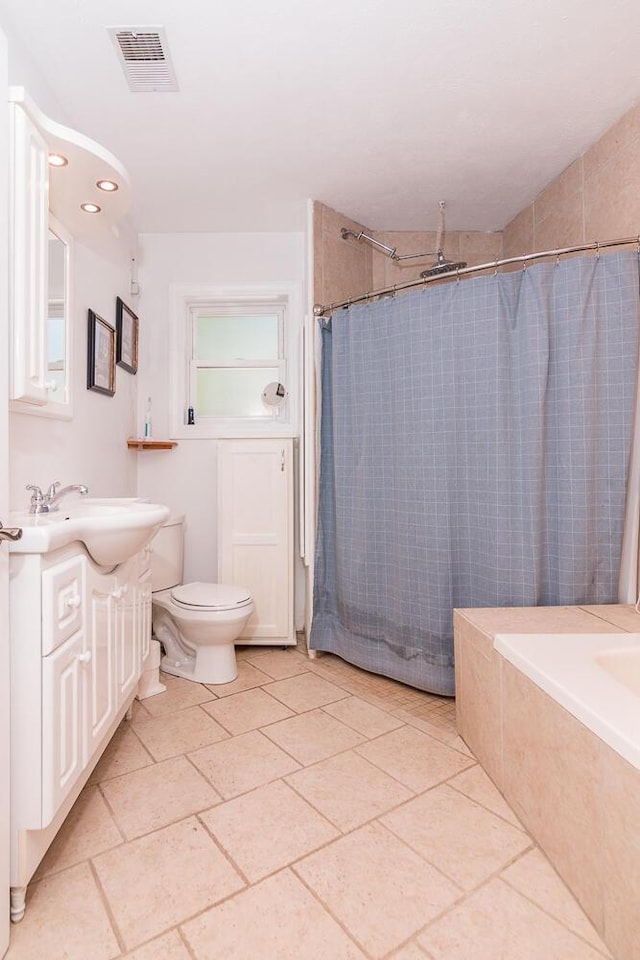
(91, 448)
(185, 478)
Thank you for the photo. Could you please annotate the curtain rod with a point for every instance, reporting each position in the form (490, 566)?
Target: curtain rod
(323, 311)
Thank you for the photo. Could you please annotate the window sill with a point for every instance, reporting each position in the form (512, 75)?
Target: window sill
(219, 431)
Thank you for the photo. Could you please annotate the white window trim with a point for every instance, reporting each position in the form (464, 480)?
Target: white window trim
(183, 298)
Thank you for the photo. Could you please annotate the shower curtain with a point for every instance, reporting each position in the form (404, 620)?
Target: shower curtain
(475, 439)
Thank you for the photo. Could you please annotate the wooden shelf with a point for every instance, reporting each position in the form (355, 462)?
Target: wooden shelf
(135, 444)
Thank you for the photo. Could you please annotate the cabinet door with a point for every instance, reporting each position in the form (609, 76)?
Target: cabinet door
(63, 674)
(143, 614)
(255, 546)
(100, 689)
(128, 641)
(62, 602)
(29, 215)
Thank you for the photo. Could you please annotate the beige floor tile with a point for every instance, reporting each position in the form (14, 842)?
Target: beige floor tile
(247, 711)
(475, 783)
(411, 952)
(169, 947)
(377, 887)
(279, 663)
(88, 830)
(496, 922)
(176, 733)
(65, 920)
(313, 736)
(465, 841)
(278, 919)
(138, 710)
(442, 728)
(163, 879)
(415, 759)
(124, 753)
(178, 695)
(155, 796)
(534, 877)
(267, 829)
(248, 677)
(242, 763)
(348, 790)
(363, 717)
(305, 692)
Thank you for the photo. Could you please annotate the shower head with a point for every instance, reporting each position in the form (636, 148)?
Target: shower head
(442, 265)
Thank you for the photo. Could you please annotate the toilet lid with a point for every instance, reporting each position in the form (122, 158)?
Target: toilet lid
(212, 596)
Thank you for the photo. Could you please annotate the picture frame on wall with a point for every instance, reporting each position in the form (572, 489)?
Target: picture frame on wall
(126, 337)
(101, 355)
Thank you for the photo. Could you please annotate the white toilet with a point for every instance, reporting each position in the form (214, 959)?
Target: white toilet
(196, 623)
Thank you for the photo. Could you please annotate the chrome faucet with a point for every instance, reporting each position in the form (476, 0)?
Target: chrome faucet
(48, 502)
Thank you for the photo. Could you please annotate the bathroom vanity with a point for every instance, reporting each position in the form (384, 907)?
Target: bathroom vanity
(79, 635)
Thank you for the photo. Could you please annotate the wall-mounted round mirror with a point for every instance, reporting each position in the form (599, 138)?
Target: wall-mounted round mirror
(274, 395)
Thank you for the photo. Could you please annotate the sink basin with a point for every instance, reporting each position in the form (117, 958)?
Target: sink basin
(111, 529)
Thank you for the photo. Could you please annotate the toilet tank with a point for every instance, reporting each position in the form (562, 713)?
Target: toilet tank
(167, 550)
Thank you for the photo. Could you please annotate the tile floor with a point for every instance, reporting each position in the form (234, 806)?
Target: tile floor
(307, 811)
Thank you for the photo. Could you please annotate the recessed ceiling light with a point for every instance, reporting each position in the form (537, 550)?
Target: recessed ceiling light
(57, 160)
(109, 186)
(90, 207)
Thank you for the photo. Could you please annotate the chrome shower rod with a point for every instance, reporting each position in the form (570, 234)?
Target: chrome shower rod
(321, 311)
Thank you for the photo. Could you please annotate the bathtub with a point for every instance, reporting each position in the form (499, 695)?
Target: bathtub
(595, 677)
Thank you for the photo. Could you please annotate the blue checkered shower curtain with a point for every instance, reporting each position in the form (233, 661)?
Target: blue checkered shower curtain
(475, 438)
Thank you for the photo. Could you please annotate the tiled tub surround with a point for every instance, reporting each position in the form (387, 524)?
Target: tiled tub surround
(307, 811)
(577, 796)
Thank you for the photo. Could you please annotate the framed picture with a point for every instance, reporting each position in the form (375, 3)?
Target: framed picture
(126, 337)
(101, 356)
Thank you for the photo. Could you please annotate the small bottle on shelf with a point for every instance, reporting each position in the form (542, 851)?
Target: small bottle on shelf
(147, 421)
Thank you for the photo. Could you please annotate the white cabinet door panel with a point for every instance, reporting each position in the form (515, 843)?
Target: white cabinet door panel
(255, 548)
(62, 735)
(100, 691)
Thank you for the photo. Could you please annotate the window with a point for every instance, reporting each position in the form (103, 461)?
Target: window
(237, 349)
(227, 344)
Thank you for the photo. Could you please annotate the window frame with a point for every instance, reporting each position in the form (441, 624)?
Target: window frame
(188, 302)
(238, 308)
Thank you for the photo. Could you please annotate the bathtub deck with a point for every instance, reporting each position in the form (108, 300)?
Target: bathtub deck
(576, 795)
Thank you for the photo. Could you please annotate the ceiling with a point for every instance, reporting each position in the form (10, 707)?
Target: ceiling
(379, 109)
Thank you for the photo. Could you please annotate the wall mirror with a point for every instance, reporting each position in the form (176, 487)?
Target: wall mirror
(59, 332)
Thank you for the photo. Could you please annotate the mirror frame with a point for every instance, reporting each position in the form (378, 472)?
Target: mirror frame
(58, 409)
(63, 409)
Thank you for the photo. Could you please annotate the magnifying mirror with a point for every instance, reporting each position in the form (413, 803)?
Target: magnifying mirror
(274, 394)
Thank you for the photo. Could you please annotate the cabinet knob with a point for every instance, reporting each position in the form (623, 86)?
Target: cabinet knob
(84, 657)
(50, 385)
(73, 602)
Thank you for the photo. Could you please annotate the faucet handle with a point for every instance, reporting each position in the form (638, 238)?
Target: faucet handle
(37, 504)
(51, 492)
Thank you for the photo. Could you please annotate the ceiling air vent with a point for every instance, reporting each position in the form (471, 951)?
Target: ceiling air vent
(145, 59)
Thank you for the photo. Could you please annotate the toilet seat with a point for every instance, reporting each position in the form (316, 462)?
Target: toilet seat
(215, 597)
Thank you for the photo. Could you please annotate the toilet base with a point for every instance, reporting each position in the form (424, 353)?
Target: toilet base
(212, 664)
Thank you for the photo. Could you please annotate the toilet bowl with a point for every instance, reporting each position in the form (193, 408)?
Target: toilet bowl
(196, 623)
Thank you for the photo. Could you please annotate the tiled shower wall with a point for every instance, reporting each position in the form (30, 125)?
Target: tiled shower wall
(597, 197)
(347, 268)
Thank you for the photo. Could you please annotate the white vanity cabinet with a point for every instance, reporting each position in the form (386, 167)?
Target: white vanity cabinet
(78, 637)
(255, 532)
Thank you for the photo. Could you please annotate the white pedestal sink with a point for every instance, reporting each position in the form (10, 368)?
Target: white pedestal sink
(111, 529)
